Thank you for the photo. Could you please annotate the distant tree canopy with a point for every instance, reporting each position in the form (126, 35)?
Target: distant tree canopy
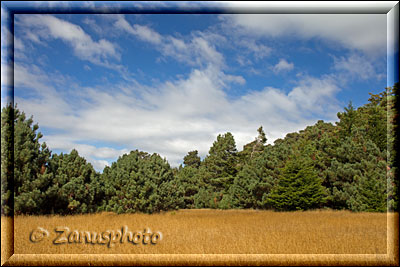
(350, 165)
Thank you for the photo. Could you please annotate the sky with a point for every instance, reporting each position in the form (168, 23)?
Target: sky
(106, 84)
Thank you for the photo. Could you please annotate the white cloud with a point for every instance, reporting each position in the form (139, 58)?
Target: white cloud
(98, 156)
(365, 32)
(196, 51)
(282, 65)
(93, 25)
(260, 51)
(356, 66)
(316, 95)
(142, 32)
(43, 27)
(170, 119)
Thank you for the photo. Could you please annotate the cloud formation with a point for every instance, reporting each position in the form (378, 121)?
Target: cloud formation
(186, 112)
(172, 119)
(356, 66)
(363, 32)
(39, 28)
(142, 32)
(282, 65)
(196, 51)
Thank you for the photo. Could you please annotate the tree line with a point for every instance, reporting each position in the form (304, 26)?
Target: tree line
(349, 165)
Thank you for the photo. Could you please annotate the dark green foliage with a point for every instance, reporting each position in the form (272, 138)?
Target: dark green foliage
(350, 165)
(188, 185)
(393, 146)
(299, 187)
(205, 198)
(354, 162)
(220, 164)
(254, 148)
(70, 185)
(29, 158)
(192, 159)
(253, 182)
(140, 182)
(7, 155)
(370, 190)
(347, 120)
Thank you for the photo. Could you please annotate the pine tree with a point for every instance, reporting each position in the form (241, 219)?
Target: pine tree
(188, 185)
(298, 188)
(370, 192)
(29, 158)
(221, 163)
(7, 157)
(140, 182)
(192, 159)
(72, 185)
(347, 120)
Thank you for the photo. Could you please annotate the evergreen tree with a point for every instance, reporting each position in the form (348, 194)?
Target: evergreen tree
(252, 149)
(206, 198)
(221, 162)
(188, 185)
(29, 160)
(140, 182)
(298, 188)
(254, 181)
(370, 190)
(7, 157)
(72, 185)
(347, 120)
(192, 159)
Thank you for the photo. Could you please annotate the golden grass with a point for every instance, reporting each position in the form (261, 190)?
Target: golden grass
(217, 232)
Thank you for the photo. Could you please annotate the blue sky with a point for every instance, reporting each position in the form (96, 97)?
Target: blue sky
(106, 84)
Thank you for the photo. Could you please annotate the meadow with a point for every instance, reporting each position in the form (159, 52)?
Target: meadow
(212, 232)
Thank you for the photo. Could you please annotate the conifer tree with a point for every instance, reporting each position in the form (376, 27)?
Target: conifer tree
(192, 159)
(28, 158)
(299, 187)
(72, 185)
(188, 185)
(7, 157)
(221, 162)
(140, 182)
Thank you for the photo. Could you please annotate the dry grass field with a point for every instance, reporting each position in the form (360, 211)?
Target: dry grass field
(211, 232)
